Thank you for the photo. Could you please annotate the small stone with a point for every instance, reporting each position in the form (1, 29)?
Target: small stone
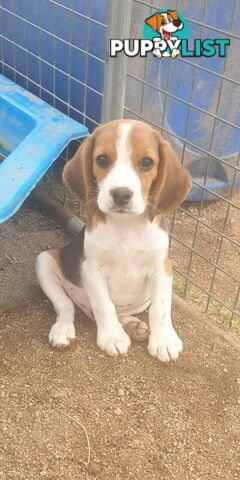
(210, 440)
(118, 411)
(225, 370)
(94, 468)
(120, 392)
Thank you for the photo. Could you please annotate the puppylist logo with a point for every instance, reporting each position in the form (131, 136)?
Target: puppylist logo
(166, 33)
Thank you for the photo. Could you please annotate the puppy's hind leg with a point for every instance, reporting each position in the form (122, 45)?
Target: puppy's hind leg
(49, 277)
(135, 328)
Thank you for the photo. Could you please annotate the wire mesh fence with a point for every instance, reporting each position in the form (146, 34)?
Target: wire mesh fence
(194, 104)
(59, 51)
(56, 50)
(51, 50)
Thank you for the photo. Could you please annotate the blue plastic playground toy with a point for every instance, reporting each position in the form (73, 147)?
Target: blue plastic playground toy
(32, 136)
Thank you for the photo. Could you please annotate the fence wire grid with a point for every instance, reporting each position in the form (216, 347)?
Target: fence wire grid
(205, 234)
(39, 54)
(49, 47)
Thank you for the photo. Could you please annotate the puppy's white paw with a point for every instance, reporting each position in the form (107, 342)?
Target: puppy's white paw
(165, 345)
(157, 53)
(175, 53)
(61, 333)
(114, 341)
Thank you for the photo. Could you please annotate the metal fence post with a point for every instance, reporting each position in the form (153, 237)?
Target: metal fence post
(116, 68)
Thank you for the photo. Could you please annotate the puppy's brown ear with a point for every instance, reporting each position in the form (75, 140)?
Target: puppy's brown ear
(154, 21)
(173, 14)
(73, 176)
(77, 173)
(172, 184)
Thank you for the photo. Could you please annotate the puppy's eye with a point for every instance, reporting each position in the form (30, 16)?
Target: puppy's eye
(146, 164)
(102, 161)
(163, 22)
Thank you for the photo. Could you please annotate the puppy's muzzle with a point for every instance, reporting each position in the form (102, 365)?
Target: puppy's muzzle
(121, 196)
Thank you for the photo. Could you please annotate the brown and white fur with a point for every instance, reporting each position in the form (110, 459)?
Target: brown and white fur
(129, 176)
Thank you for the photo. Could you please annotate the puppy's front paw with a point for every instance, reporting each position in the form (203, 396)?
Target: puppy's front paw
(113, 341)
(165, 344)
(175, 53)
(157, 53)
(61, 333)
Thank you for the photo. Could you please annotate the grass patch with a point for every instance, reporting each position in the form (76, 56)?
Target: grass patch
(189, 292)
(196, 296)
(231, 320)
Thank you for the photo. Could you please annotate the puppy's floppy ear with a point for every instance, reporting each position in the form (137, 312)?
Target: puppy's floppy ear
(173, 14)
(77, 173)
(172, 184)
(154, 21)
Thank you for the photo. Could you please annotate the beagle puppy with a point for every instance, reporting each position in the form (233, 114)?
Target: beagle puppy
(166, 24)
(129, 176)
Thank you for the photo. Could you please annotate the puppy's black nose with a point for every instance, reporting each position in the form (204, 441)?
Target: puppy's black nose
(121, 196)
(177, 23)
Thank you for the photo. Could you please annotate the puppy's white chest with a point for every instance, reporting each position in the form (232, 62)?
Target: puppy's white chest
(125, 268)
(127, 255)
(129, 232)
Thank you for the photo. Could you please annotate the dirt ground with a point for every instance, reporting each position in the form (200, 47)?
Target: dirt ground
(21, 239)
(77, 414)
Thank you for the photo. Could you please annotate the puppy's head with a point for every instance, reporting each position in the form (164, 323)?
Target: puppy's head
(125, 167)
(165, 23)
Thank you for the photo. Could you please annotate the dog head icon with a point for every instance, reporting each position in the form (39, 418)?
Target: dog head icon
(165, 23)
